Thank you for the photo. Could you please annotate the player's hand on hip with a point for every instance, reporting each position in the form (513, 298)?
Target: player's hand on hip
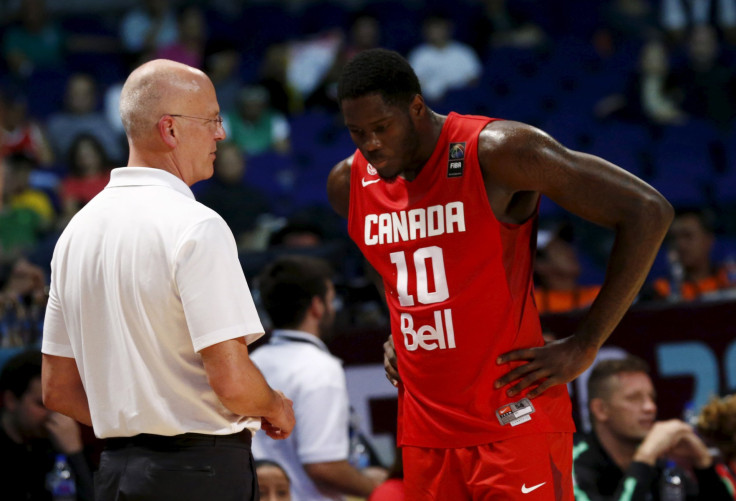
(390, 363)
(557, 362)
(280, 426)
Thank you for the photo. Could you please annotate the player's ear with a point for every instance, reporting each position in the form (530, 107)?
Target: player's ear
(417, 107)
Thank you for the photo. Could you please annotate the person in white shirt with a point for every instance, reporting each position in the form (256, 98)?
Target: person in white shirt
(442, 63)
(149, 314)
(297, 293)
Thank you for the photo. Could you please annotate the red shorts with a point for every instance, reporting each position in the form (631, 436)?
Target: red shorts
(527, 468)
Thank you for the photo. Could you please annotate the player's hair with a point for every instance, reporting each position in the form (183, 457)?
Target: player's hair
(379, 71)
(717, 424)
(288, 285)
(19, 371)
(599, 383)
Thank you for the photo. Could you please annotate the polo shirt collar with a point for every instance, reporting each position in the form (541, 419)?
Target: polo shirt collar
(147, 176)
(279, 336)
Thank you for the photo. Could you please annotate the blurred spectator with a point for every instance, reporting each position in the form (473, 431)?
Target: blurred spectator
(284, 96)
(222, 65)
(22, 304)
(708, 82)
(628, 450)
(297, 233)
(27, 213)
(31, 436)
(442, 63)
(227, 193)
(80, 116)
(679, 16)
(145, 29)
(651, 93)
(502, 25)
(556, 273)
(717, 424)
(89, 173)
(298, 294)
(189, 46)
(310, 60)
(624, 21)
(693, 274)
(22, 134)
(36, 42)
(256, 127)
(273, 482)
(364, 34)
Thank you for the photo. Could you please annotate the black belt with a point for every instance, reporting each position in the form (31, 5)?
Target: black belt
(148, 441)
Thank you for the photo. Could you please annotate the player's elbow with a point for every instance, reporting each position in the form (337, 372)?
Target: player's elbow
(657, 211)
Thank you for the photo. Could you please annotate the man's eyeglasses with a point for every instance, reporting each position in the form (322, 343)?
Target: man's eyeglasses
(217, 121)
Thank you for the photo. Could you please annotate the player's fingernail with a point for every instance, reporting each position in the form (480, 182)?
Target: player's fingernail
(510, 393)
(499, 360)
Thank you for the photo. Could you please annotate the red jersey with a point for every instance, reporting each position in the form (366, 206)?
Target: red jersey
(459, 289)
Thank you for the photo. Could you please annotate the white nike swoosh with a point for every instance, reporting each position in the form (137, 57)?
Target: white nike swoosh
(527, 490)
(366, 183)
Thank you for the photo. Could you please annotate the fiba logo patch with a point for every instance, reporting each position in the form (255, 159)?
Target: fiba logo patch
(456, 163)
(371, 170)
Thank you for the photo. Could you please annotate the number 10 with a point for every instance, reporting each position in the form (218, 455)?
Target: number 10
(421, 256)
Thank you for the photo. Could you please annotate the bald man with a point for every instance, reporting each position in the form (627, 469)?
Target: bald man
(149, 314)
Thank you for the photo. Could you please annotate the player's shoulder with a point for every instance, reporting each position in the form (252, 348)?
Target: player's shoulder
(338, 186)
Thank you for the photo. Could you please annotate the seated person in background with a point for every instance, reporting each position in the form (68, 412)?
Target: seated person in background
(31, 435)
(255, 126)
(297, 233)
(556, 274)
(20, 133)
(22, 303)
(229, 195)
(693, 274)
(89, 173)
(26, 214)
(651, 94)
(298, 294)
(626, 454)
(441, 62)
(273, 482)
(717, 425)
(80, 116)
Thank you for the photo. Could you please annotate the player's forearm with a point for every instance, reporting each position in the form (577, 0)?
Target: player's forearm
(638, 239)
(340, 476)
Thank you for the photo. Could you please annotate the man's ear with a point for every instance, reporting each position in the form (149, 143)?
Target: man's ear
(599, 409)
(317, 307)
(167, 131)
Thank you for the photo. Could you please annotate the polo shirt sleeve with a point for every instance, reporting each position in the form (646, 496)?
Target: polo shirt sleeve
(215, 296)
(322, 419)
(55, 336)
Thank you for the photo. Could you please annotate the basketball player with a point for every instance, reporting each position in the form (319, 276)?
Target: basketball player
(445, 209)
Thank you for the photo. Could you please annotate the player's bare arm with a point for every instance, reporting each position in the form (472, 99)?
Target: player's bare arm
(519, 162)
(338, 187)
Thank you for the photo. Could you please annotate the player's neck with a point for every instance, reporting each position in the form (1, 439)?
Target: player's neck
(429, 131)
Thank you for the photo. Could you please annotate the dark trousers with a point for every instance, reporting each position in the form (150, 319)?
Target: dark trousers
(190, 467)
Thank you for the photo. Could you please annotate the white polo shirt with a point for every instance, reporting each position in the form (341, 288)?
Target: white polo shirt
(142, 279)
(300, 365)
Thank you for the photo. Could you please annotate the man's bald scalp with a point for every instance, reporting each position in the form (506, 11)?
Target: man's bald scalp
(147, 93)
